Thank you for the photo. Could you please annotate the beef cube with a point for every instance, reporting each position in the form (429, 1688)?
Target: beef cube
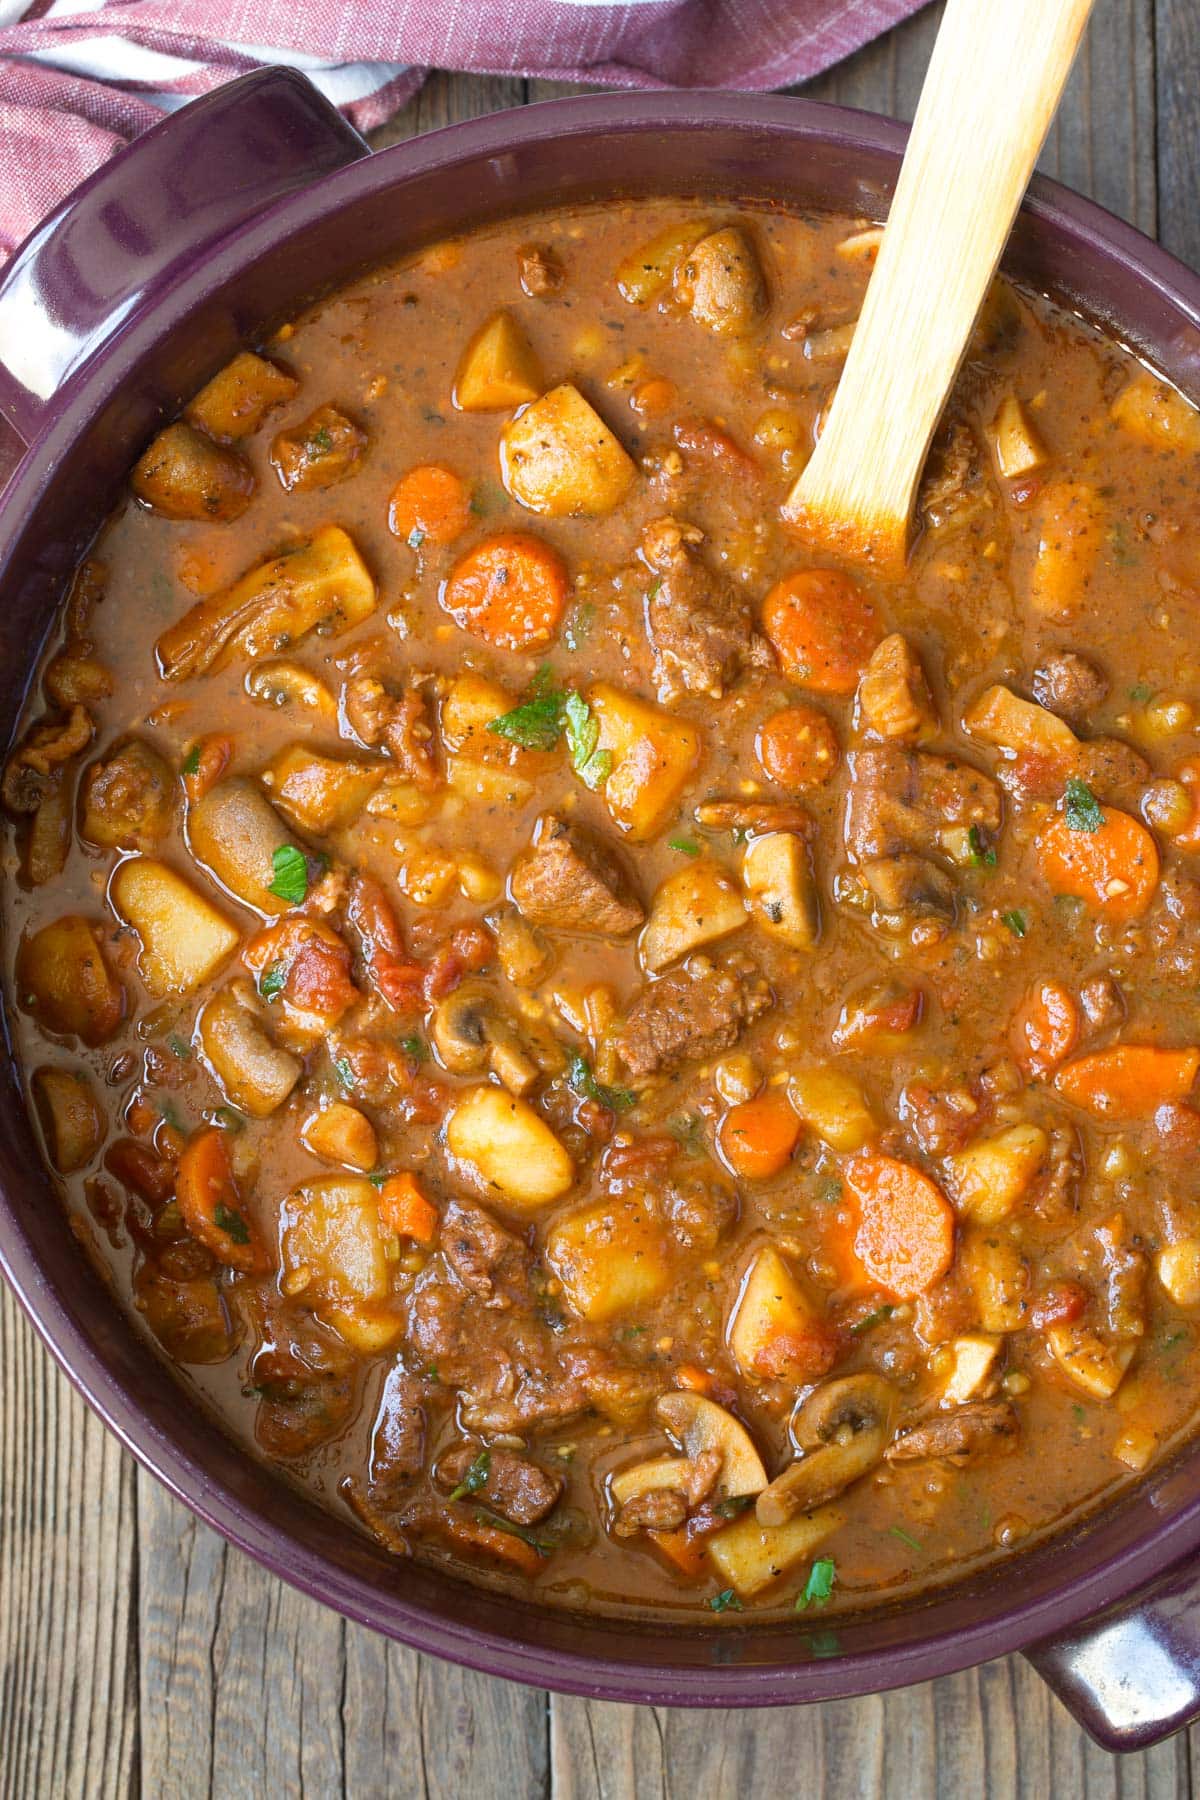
(691, 1012)
(700, 628)
(513, 1486)
(570, 881)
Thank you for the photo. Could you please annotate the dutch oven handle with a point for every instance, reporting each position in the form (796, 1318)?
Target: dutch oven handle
(1131, 1675)
(166, 199)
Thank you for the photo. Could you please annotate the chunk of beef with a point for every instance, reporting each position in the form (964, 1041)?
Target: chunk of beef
(571, 881)
(37, 762)
(1103, 1003)
(980, 1425)
(505, 1364)
(953, 486)
(1175, 928)
(700, 628)
(688, 1013)
(489, 1261)
(541, 271)
(909, 884)
(699, 1206)
(894, 702)
(322, 449)
(1109, 765)
(945, 1120)
(1124, 1269)
(659, 1509)
(904, 806)
(720, 282)
(129, 799)
(400, 725)
(513, 1486)
(1069, 685)
(398, 1443)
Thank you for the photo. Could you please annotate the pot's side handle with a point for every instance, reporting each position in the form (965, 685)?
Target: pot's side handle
(155, 206)
(1132, 1676)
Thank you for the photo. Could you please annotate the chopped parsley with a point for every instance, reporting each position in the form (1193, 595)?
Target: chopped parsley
(415, 538)
(377, 1177)
(688, 1131)
(290, 872)
(726, 1601)
(475, 1477)
(1141, 692)
(320, 443)
(232, 1224)
(272, 980)
(415, 1048)
(179, 1047)
(228, 1120)
(685, 846)
(343, 1071)
(912, 1542)
(526, 1537)
(829, 1190)
(878, 1317)
(592, 765)
(537, 723)
(584, 1083)
(1016, 922)
(818, 1589)
(982, 855)
(191, 762)
(1081, 806)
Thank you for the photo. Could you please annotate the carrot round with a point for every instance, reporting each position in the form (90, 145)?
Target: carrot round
(212, 1208)
(404, 1209)
(1128, 1081)
(1045, 1027)
(757, 1137)
(1113, 868)
(430, 504)
(797, 747)
(904, 1239)
(823, 628)
(511, 591)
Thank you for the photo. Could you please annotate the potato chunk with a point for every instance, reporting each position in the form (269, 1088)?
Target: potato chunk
(750, 1556)
(831, 1103)
(237, 836)
(1021, 728)
(184, 475)
(696, 906)
(506, 1145)
(324, 582)
(974, 1359)
(498, 369)
(1178, 1268)
(184, 939)
(610, 1258)
(71, 1120)
(342, 1134)
(778, 878)
(558, 458)
(1018, 448)
(720, 282)
(990, 1175)
(1096, 1367)
(653, 757)
(771, 1319)
(64, 980)
(1072, 519)
(238, 398)
(320, 793)
(334, 1256)
(1156, 415)
(129, 799)
(256, 1075)
(646, 272)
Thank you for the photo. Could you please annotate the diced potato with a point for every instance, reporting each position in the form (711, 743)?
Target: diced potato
(697, 905)
(184, 475)
(558, 458)
(778, 878)
(1135, 1446)
(64, 980)
(184, 939)
(720, 282)
(1178, 1268)
(486, 785)
(1096, 1367)
(750, 1556)
(404, 803)
(990, 1175)
(998, 1276)
(699, 1424)
(342, 1134)
(238, 398)
(508, 1146)
(333, 1255)
(654, 755)
(1020, 727)
(647, 272)
(831, 1103)
(1156, 415)
(1072, 519)
(324, 582)
(71, 1120)
(770, 1306)
(235, 833)
(650, 1477)
(1018, 448)
(974, 1359)
(610, 1258)
(498, 369)
(320, 793)
(256, 1075)
(427, 875)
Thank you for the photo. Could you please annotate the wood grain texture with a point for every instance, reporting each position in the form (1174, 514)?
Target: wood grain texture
(139, 1656)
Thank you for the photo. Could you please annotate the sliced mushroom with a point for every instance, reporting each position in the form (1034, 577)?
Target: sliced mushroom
(844, 1429)
(698, 1425)
(286, 683)
(471, 1031)
(255, 1073)
(778, 880)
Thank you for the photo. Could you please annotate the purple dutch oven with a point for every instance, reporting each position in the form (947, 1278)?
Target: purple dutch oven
(218, 222)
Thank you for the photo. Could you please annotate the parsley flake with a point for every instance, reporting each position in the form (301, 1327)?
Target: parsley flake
(320, 443)
(232, 1224)
(1081, 806)
(475, 1476)
(727, 1601)
(818, 1589)
(343, 1071)
(191, 762)
(878, 1317)
(584, 1083)
(537, 723)
(272, 980)
(912, 1542)
(415, 538)
(592, 765)
(290, 871)
(415, 1048)
(685, 846)
(1016, 922)
(981, 854)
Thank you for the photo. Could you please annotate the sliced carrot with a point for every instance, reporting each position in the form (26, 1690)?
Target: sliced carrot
(204, 765)
(430, 504)
(687, 1553)
(905, 1231)
(797, 747)
(1128, 1081)
(1045, 1027)
(757, 1138)
(1114, 868)
(695, 1379)
(823, 627)
(404, 1209)
(213, 1210)
(510, 591)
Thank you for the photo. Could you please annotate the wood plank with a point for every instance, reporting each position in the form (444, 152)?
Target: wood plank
(1177, 61)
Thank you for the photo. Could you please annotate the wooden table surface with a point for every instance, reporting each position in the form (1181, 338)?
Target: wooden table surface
(140, 1655)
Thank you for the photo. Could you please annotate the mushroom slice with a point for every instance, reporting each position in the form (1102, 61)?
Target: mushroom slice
(844, 1427)
(471, 1031)
(672, 1472)
(699, 1424)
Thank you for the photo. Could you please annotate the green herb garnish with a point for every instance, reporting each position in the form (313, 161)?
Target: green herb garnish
(829, 1190)
(727, 1601)
(1141, 692)
(320, 443)
(377, 1177)
(1081, 806)
(343, 1071)
(179, 1047)
(592, 765)
(685, 846)
(982, 855)
(688, 1131)
(290, 870)
(228, 1120)
(415, 1048)
(899, 1531)
(232, 1224)
(584, 1083)
(818, 1589)
(1015, 920)
(475, 1476)
(878, 1317)
(517, 1531)
(191, 762)
(272, 980)
(415, 538)
(537, 723)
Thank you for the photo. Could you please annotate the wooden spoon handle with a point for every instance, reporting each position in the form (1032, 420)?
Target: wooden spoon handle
(994, 80)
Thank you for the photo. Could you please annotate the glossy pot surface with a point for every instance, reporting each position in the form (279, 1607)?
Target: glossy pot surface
(217, 223)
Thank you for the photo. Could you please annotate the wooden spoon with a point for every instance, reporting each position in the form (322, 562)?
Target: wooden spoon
(994, 80)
